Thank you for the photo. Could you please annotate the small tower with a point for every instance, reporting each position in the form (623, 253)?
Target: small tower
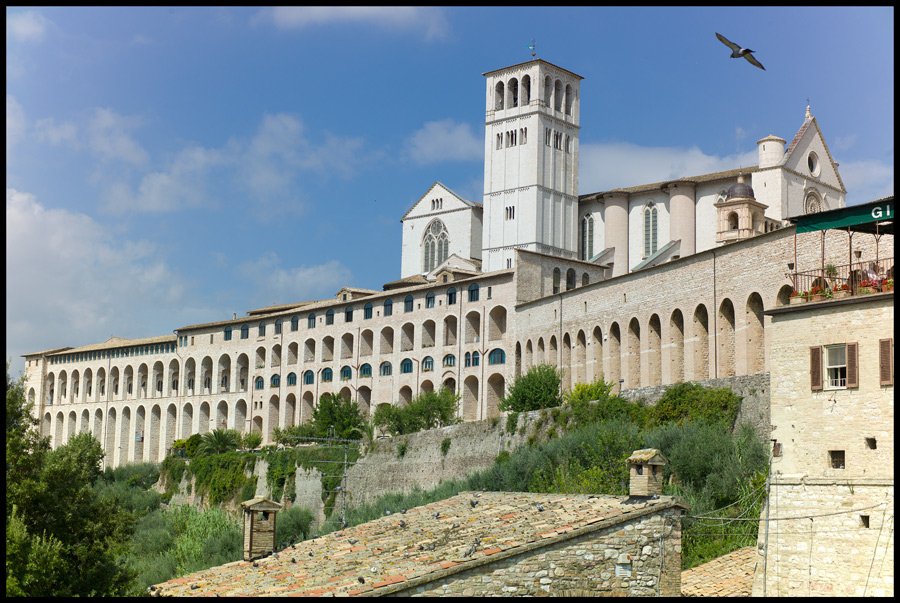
(740, 215)
(645, 468)
(259, 527)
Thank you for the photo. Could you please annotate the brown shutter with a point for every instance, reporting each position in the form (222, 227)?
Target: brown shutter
(815, 368)
(852, 365)
(886, 361)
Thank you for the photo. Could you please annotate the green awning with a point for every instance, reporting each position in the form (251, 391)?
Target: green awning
(858, 218)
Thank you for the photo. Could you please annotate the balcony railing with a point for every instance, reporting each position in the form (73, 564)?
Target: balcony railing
(873, 273)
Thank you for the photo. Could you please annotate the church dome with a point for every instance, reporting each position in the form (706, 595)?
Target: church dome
(740, 190)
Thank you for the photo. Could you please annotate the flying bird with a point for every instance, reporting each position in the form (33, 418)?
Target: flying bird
(738, 52)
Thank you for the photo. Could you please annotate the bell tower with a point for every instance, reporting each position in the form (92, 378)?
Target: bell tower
(530, 162)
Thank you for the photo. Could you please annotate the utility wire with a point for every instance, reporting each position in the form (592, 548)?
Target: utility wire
(792, 518)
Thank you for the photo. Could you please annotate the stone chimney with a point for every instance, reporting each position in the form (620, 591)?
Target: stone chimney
(259, 527)
(645, 469)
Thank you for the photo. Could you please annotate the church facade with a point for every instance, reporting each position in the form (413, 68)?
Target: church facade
(650, 284)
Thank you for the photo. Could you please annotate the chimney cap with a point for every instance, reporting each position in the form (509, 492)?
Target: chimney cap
(647, 456)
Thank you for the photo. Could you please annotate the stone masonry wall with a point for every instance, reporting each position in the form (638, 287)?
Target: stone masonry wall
(582, 565)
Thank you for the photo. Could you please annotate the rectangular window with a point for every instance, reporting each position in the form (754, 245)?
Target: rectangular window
(836, 459)
(835, 366)
(886, 361)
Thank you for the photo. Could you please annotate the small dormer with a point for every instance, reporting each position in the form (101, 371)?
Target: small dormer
(645, 469)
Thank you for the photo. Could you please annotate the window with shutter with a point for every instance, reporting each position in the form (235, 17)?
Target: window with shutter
(815, 368)
(886, 361)
(852, 365)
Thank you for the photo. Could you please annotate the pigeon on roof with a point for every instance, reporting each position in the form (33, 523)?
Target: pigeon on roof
(738, 52)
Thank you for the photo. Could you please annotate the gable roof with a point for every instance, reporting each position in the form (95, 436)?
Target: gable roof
(388, 556)
(730, 575)
(116, 342)
(811, 122)
(428, 192)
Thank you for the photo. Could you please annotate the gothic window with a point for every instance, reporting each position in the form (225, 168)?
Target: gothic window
(570, 279)
(570, 98)
(587, 237)
(557, 95)
(650, 238)
(513, 88)
(436, 246)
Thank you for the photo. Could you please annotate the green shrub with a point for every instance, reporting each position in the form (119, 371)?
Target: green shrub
(218, 441)
(512, 420)
(190, 447)
(687, 401)
(293, 525)
(445, 446)
(503, 457)
(494, 421)
(536, 389)
(401, 449)
(426, 411)
(334, 410)
(249, 489)
(252, 439)
(221, 476)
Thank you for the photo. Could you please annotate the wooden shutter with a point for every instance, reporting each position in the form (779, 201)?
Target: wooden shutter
(886, 361)
(852, 365)
(815, 368)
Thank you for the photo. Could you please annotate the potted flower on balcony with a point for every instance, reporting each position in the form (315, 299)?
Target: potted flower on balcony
(816, 294)
(841, 290)
(887, 284)
(798, 298)
(865, 287)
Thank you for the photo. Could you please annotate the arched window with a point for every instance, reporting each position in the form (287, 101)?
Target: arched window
(245, 331)
(475, 358)
(449, 360)
(309, 378)
(365, 370)
(570, 99)
(649, 230)
(557, 276)
(435, 246)
(276, 380)
(429, 300)
(348, 314)
(526, 90)
(451, 296)
(497, 356)
(260, 383)
(498, 96)
(732, 221)
(262, 329)
(570, 279)
(329, 317)
(385, 369)
(227, 333)
(812, 204)
(278, 327)
(473, 292)
(587, 237)
(406, 366)
(311, 321)
(408, 304)
(292, 379)
(388, 307)
(346, 373)
(295, 323)
(327, 375)
(468, 360)
(585, 279)
(427, 364)
(367, 311)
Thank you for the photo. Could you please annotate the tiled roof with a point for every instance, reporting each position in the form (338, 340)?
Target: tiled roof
(730, 575)
(389, 555)
(119, 342)
(642, 188)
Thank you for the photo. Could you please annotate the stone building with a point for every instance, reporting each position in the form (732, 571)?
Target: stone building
(829, 528)
(651, 284)
(475, 544)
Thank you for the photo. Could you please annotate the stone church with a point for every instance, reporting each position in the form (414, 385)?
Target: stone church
(644, 285)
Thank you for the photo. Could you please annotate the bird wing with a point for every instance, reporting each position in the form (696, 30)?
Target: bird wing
(753, 61)
(725, 41)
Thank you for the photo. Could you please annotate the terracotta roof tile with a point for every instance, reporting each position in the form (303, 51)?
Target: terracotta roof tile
(730, 575)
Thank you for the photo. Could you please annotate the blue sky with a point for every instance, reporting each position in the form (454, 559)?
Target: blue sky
(172, 166)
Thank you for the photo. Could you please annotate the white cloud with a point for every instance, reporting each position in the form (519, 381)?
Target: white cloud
(272, 284)
(842, 143)
(47, 130)
(867, 180)
(445, 140)
(69, 281)
(15, 123)
(29, 26)
(110, 137)
(605, 166)
(429, 20)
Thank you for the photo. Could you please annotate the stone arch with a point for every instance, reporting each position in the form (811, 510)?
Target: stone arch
(74, 390)
(755, 346)
(222, 415)
(470, 398)
(276, 356)
(97, 428)
(428, 334)
(112, 456)
(347, 345)
(290, 410)
(405, 396)
(171, 421)
(240, 416)
(243, 373)
(206, 374)
(450, 383)
(140, 418)
(256, 424)
(364, 400)
(497, 323)
(190, 375)
(566, 363)
(654, 351)
(427, 386)
(725, 339)
(366, 341)
(260, 357)
(495, 391)
(85, 426)
(143, 378)
(187, 420)
(518, 360)
(126, 437)
(407, 337)
(154, 435)
(172, 383)
(307, 405)
(386, 341)
(203, 424)
(529, 355)
(597, 352)
(309, 350)
(579, 370)
(87, 392)
(553, 352)
(224, 373)
(345, 393)
(272, 419)
(327, 348)
(450, 330)
(58, 435)
(676, 347)
(633, 355)
(46, 425)
(157, 384)
(473, 327)
(293, 352)
(615, 353)
(783, 297)
(700, 337)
